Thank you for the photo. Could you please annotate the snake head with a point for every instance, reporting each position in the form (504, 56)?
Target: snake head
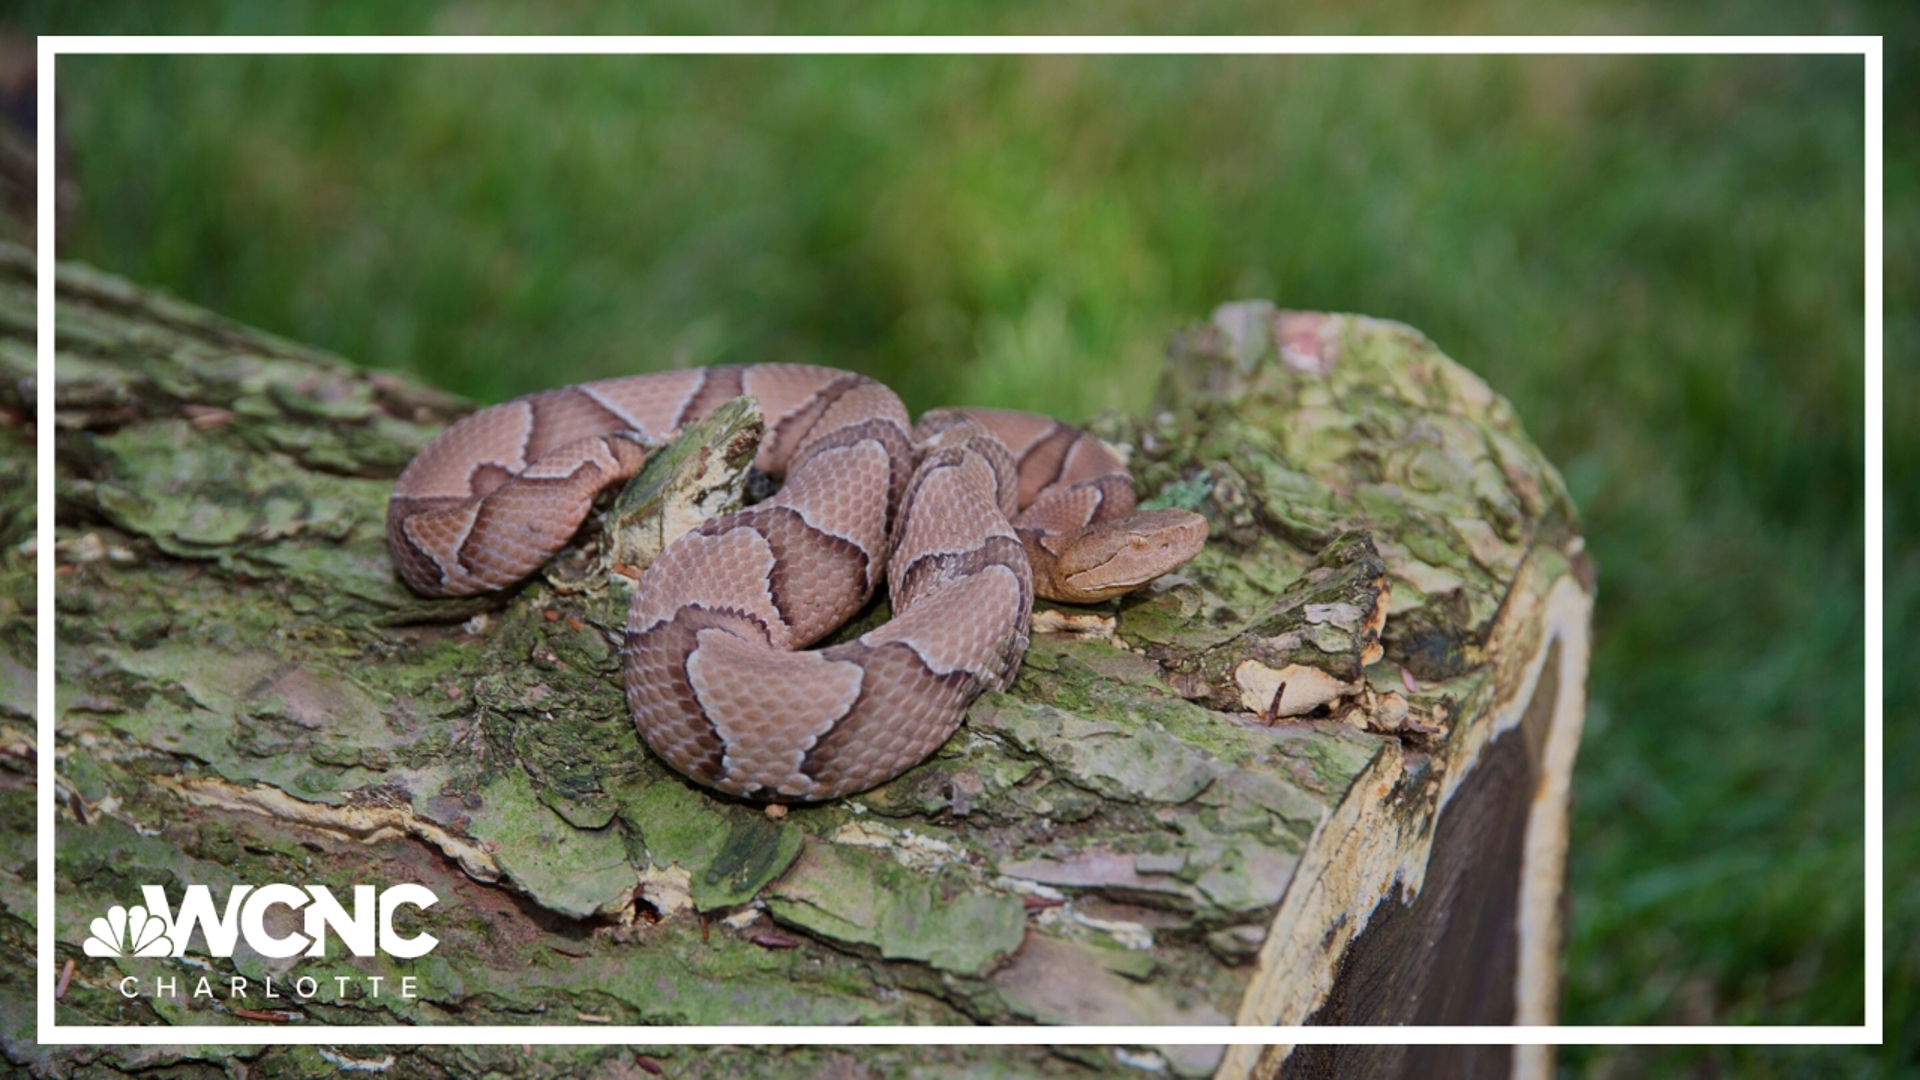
(1111, 558)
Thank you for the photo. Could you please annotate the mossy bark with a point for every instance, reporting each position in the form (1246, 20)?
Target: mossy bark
(1185, 810)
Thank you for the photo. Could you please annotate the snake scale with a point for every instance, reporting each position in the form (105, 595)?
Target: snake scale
(967, 516)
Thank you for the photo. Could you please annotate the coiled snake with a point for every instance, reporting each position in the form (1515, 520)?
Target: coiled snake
(969, 515)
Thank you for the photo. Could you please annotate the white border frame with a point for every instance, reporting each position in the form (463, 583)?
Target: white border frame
(1868, 48)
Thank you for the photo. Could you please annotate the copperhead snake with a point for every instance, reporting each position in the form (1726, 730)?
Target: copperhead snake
(968, 516)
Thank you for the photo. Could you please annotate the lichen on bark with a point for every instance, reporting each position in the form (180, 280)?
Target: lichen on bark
(18, 609)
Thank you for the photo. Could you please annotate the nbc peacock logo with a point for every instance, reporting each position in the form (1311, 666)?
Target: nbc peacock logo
(129, 932)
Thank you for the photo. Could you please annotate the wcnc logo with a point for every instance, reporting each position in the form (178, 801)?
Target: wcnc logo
(155, 929)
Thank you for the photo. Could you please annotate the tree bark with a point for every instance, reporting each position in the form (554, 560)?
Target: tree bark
(1319, 776)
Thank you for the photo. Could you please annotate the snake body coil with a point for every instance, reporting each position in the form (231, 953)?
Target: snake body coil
(966, 516)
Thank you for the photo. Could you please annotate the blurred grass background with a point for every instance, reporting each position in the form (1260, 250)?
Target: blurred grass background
(1659, 260)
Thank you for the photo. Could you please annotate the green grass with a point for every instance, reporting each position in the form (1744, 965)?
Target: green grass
(1901, 654)
(1658, 259)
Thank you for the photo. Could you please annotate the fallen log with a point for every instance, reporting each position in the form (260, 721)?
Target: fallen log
(1319, 776)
